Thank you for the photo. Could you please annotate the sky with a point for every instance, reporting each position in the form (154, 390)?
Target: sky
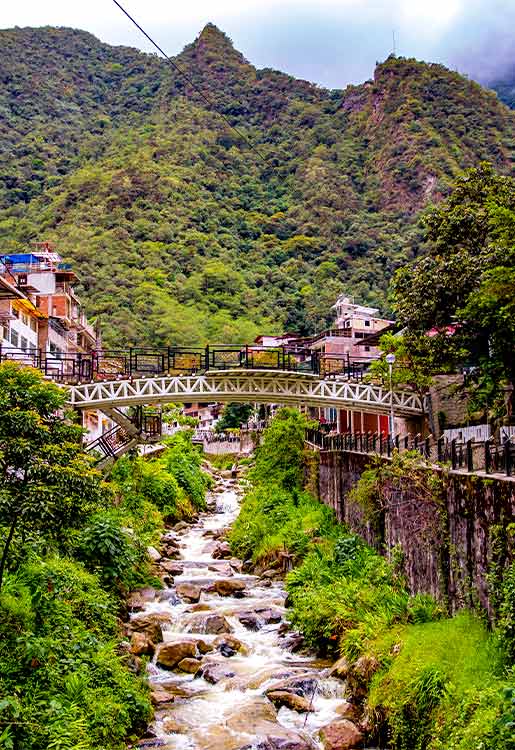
(330, 42)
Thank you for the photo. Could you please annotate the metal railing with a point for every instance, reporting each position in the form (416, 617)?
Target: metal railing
(487, 456)
(135, 362)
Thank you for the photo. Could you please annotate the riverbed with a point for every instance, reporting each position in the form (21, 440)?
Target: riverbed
(235, 649)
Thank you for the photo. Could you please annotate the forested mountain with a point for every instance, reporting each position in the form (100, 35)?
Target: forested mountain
(182, 231)
(505, 88)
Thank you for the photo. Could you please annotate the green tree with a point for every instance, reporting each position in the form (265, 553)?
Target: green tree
(457, 301)
(233, 416)
(47, 484)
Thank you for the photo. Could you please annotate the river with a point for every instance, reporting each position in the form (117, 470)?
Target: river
(220, 702)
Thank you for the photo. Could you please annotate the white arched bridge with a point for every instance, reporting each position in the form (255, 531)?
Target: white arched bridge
(110, 381)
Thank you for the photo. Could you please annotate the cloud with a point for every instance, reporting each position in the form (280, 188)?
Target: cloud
(332, 42)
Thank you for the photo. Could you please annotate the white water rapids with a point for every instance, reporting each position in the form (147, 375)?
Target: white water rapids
(226, 715)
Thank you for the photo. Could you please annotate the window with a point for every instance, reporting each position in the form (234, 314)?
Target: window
(14, 337)
(23, 343)
(5, 331)
(15, 312)
(34, 325)
(367, 323)
(24, 319)
(367, 348)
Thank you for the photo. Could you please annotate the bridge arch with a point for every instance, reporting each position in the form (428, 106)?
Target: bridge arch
(283, 387)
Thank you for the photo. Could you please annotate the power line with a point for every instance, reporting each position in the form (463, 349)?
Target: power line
(183, 73)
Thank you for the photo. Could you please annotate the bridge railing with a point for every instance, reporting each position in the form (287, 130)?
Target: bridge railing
(488, 456)
(133, 362)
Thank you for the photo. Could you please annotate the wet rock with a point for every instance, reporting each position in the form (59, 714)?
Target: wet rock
(269, 573)
(248, 566)
(154, 555)
(171, 726)
(293, 642)
(340, 668)
(250, 620)
(224, 570)
(290, 700)
(181, 526)
(161, 698)
(168, 595)
(228, 645)
(269, 735)
(188, 591)
(341, 735)
(236, 564)
(200, 608)
(229, 587)
(360, 674)
(204, 647)
(301, 684)
(213, 673)
(170, 654)
(222, 551)
(346, 710)
(269, 615)
(153, 742)
(141, 645)
(172, 567)
(189, 665)
(150, 624)
(209, 624)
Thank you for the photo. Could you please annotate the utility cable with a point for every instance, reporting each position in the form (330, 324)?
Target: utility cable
(192, 83)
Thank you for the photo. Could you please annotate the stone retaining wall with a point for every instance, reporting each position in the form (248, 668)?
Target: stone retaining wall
(453, 552)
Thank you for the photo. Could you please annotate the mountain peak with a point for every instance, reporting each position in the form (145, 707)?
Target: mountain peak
(212, 35)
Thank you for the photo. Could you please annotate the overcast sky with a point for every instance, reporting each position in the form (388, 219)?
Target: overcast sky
(331, 42)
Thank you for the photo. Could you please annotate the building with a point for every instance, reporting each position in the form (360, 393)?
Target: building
(352, 324)
(42, 321)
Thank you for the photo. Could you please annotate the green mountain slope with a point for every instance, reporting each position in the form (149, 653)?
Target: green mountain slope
(184, 233)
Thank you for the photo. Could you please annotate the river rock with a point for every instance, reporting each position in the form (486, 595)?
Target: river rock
(170, 654)
(169, 595)
(181, 526)
(293, 642)
(290, 700)
(209, 624)
(161, 698)
(213, 673)
(236, 564)
(171, 726)
(222, 551)
(229, 587)
(154, 555)
(188, 591)
(189, 665)
(250, 620)
(300, 684)
(346, 710)
(204, 647)
(141, 644)
(228, 645)
(269, 615)
(150, 624)
(360, 674)
(172, 567)
(340, 668)
(341, 735)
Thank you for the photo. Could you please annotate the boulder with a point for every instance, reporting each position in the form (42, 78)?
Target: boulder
(290, 700)
(171, 726)
(360, 674)
(236, 564)
(341, 735)
(269, 574)
(293, 642)
(340, 668)
(149, 624)
(170, 654)
(172, 567)
(188, 591)
(161, 698)
(209, 624)
(229, 587)
(250, 620)
(204, 647)
(189, 665)
(141, 645)
(222, 551)
(213, 673)
(181, 526)
(301, 684)
(228, 645)
(269, 615)
(154, 555)
(346, 710)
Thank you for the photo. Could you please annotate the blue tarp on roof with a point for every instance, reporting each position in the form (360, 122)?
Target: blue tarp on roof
(21, 258)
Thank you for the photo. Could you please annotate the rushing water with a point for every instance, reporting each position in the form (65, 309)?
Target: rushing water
(227, 715)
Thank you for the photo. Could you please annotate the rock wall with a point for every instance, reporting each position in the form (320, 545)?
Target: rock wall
(454, 550)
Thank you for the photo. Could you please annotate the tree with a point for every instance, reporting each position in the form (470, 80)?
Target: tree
(47, 483)
(457, 301)
(233, 416)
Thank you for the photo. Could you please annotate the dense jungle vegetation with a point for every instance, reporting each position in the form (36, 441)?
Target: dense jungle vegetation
(72, 546)
(431, 682)
(181, 231)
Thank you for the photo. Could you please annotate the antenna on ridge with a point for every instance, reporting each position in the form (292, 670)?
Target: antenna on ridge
(393, 39)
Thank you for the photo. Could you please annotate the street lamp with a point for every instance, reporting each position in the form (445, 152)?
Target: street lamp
(390, 358)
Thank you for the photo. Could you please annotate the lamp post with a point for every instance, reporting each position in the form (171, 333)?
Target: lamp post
(390, 358)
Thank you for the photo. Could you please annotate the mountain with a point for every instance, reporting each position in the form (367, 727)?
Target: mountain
(505, 88)
(186, 230)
